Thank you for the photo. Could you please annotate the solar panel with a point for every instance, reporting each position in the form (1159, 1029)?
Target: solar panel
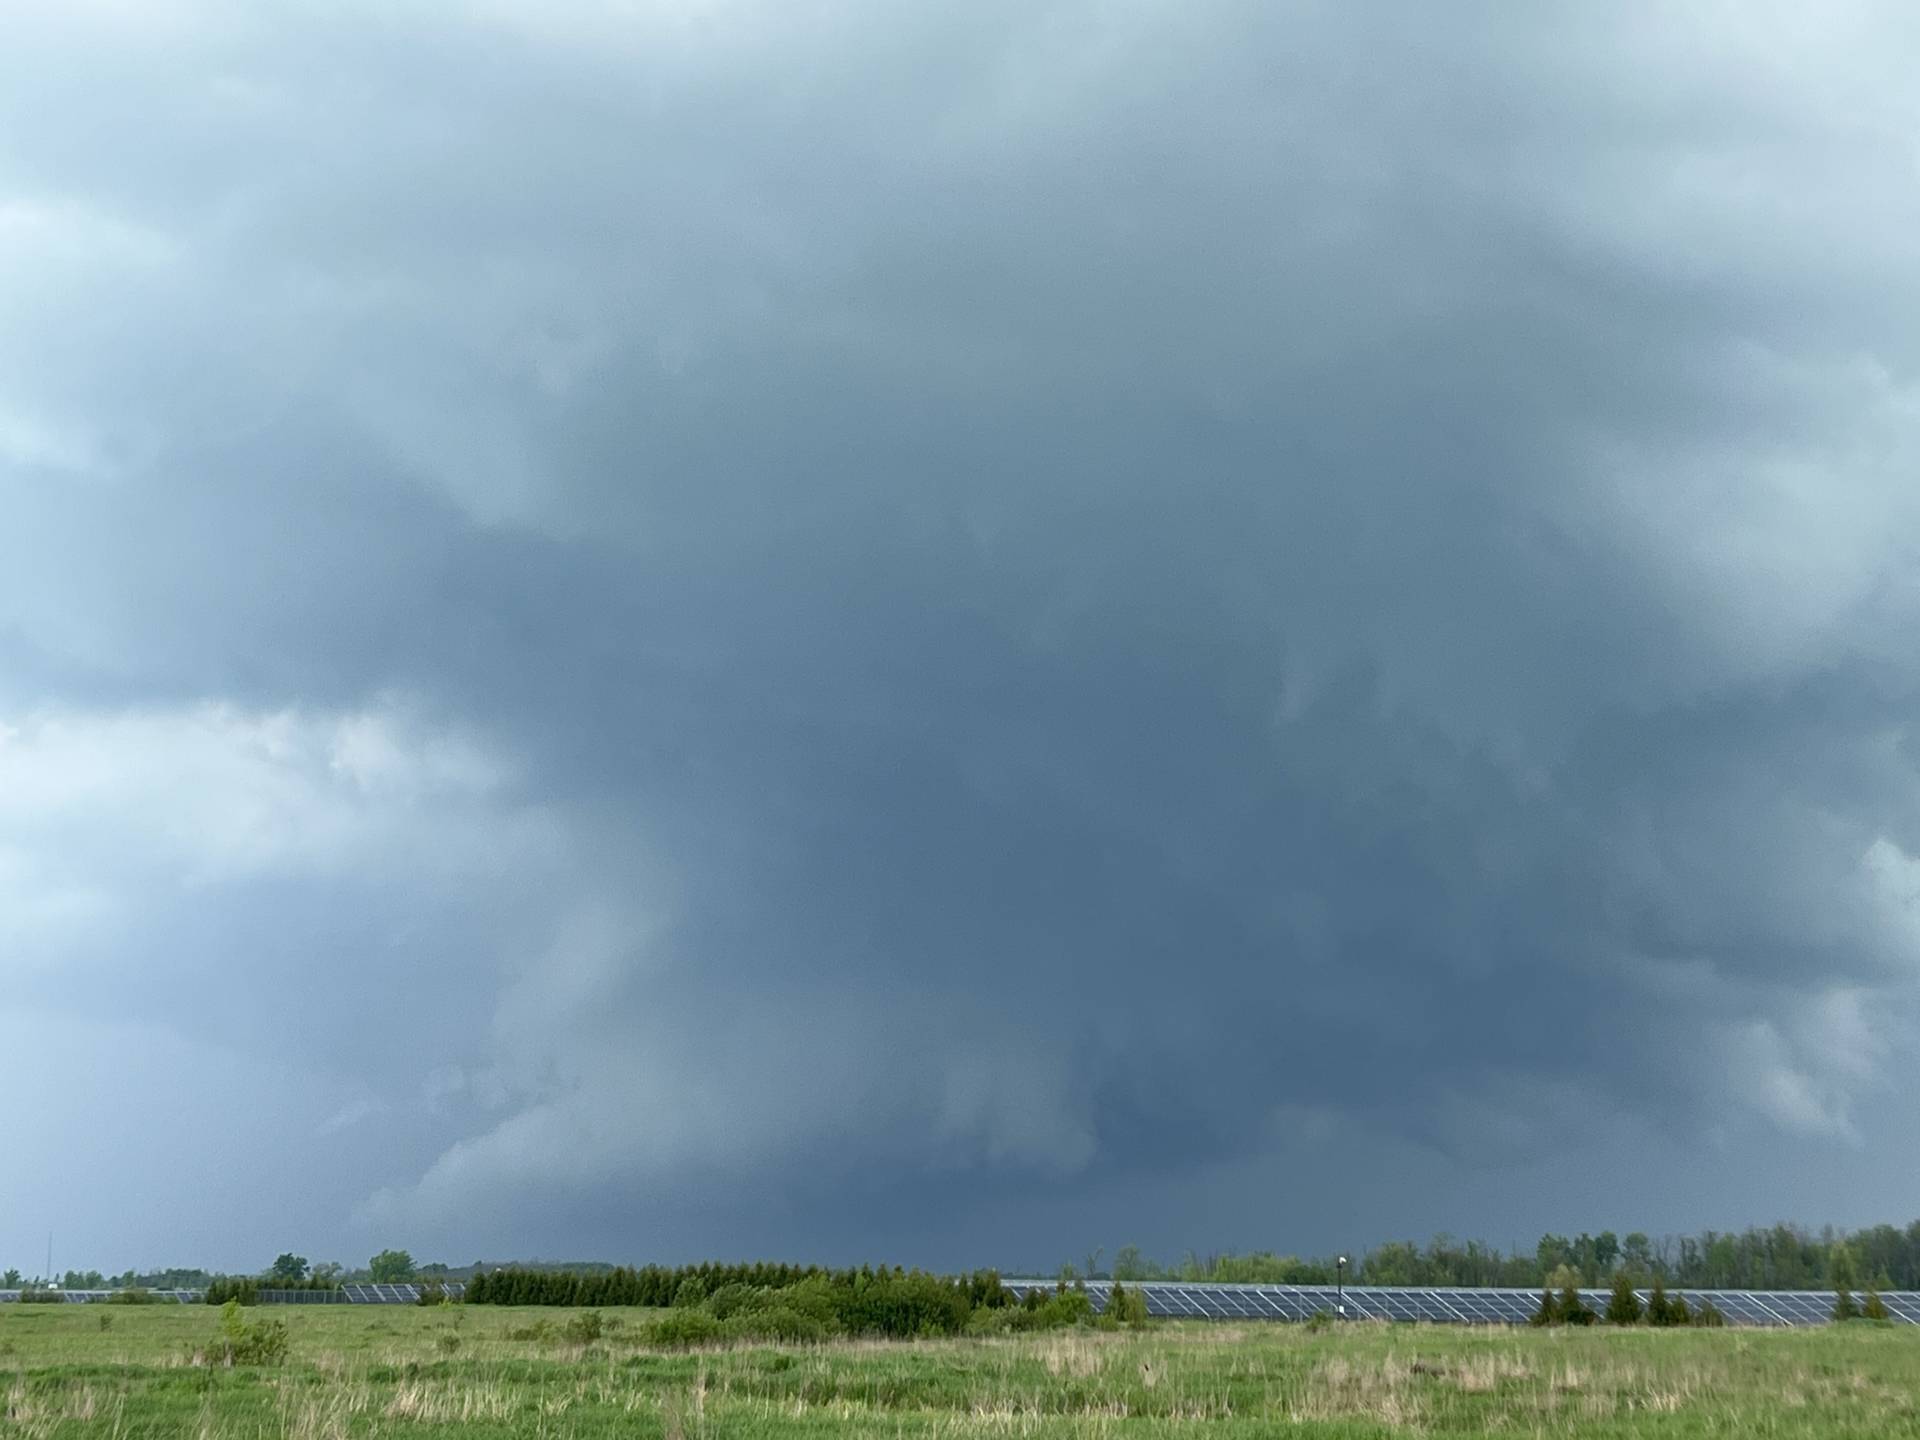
(1180, 1299)
(391, 1294)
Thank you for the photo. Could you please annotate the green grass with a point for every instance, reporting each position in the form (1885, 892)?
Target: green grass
(487, 1372)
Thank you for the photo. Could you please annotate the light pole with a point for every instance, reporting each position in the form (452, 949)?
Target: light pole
(1340, 1286)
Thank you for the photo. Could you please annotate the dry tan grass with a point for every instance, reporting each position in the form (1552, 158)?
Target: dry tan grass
(1340, 1388)
(1071, 1354)
(450, 1404)
(1569, 1377)
(1476, 1374)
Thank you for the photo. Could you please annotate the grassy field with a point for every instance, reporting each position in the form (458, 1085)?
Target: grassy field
(486, 1372)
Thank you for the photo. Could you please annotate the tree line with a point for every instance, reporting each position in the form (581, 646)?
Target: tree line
(652, 1285)
(1568, 1307)
(1778, 1257)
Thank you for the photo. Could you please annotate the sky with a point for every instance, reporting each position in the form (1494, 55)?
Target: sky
(664, 629)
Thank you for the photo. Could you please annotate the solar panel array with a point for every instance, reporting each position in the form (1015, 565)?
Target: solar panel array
(88, 1297)
(1181, 1300)
(1173, 1299)
(396, 1294)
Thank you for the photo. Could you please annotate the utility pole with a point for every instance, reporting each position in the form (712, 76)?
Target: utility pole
(1340, 1286)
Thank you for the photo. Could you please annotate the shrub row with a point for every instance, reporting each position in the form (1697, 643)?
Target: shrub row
(713, 1303)
(1568, 1307)
(897, 1306)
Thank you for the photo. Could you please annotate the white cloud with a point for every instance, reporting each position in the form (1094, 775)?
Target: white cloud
(354, 1112)
(34, 443)
(215, 792)
(1894, 891)
(1808, 1070)
(109, 818)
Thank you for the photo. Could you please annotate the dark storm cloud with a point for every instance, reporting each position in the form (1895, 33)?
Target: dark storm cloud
(669, 611)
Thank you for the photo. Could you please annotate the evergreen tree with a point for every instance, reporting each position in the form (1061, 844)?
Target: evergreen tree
(1659, 1308)
(1549, 1311)
(1875, 1308)
(1840, 1269)
(1573, 1309)
(1623, 1307)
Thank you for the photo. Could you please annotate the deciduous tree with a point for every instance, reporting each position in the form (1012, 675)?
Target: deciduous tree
(391, 1267)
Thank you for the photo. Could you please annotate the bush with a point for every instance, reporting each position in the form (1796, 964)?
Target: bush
(433, 1293)
(1127, 1307)
(1062, 1309)
(1058, 1311)
(813, 1298)
(1707, 1316)
(905, 1305)
(1875, 1308)
(262, 1342)
(691, 1291)
(136, 1295)
(682, 1329)
(584, 1328)
(779, 1323)
(1000, 1321)
(1844, 1306)
(730, 1300)
(986, 1292)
